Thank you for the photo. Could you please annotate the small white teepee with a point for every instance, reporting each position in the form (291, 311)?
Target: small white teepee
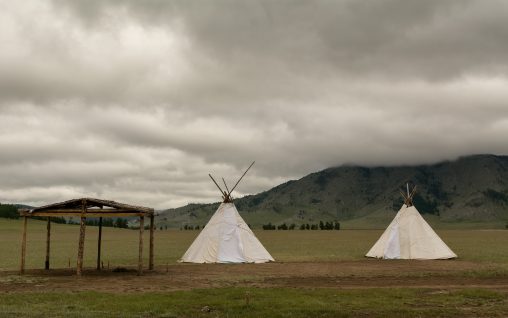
(226, 238)
(409, 236)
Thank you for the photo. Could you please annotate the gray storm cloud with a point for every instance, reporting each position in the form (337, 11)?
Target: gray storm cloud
(138, 101)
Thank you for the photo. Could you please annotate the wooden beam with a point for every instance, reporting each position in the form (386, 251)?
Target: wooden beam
(150, 262)
(140, 259)
(97, 214)
(87, 215)
(99, 246)
(91, 203)
(48, 241)
(23, 246)
(81, 245)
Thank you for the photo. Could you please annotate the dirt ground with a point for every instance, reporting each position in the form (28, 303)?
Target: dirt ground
(368, 273)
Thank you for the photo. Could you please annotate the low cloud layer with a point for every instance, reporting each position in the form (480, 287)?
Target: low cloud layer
(138, 101)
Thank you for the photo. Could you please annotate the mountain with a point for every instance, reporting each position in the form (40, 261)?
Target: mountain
(469, 189)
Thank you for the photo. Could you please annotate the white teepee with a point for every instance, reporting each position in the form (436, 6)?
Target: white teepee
(226, 238)
(409, 236)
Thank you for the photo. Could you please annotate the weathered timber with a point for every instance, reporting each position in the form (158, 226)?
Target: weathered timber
(82, 228)
(48, 241)
(140, 259)
(150, 262)
(23, 246)
(89, 213)
(99, 240)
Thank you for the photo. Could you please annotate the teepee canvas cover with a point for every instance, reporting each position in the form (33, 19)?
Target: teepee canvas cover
(409, 236)
(226, 239)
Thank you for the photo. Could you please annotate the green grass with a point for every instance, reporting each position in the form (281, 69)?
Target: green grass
(120, 246)
(277, 302)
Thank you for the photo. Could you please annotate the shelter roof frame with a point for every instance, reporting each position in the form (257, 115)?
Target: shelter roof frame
(89, 207)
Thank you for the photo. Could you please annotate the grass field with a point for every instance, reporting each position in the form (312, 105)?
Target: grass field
(330, 255)
(277, 302)
(120, 246)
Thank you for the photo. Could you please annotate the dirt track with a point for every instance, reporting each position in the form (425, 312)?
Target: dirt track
(343, 274)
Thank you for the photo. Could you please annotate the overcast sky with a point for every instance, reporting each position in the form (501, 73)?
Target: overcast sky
(137, 101)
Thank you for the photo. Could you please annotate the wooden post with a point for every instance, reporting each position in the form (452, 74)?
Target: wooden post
(48, 240)
(79, 267)
(23, 247)
(150, 264)
(140, 259)
(99, 245)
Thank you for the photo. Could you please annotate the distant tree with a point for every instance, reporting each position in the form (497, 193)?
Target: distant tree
(314, 227)
(268, 226)
(302, 226)
(292, 226)
(121, 223)
(196, 227)
(336, 226)
(9, 211)
(166, 227)
(307, 226)
(60, 220)
(283, 226)
(321, 225)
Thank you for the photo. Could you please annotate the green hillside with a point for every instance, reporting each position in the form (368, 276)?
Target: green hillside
(472, 191)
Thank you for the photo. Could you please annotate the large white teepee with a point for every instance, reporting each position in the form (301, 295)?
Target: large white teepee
(226, 239)
(409, 236)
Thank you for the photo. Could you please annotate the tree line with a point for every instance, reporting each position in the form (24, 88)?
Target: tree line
(321, 226)
(187, 227)
(109, 222)
(9, 211)
(106, 222)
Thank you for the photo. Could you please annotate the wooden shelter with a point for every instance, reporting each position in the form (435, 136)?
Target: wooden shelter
(94, 208)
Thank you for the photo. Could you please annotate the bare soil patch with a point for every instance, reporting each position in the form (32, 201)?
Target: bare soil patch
(368, 273)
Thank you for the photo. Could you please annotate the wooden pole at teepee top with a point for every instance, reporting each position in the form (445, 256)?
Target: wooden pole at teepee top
(220, 189)
(243, 175)
(225, 185)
